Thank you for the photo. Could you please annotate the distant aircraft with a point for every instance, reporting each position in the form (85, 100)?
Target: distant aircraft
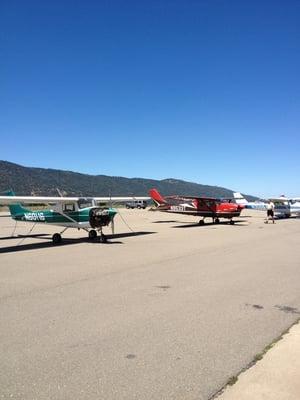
(292, 205)
(283, 205)
(295, 206)
(205, 207)
(69, 212)
(255, 205)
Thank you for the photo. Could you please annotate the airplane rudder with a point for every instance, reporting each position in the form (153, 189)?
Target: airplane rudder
(238, 195)
(156, 196)
(14, 209)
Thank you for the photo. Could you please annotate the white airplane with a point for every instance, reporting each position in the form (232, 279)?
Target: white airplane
(68, 212)
(255, 205)
(293, 204)
(282, 204)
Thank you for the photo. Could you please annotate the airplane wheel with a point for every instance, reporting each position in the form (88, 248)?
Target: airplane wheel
(92, 234)
(103, 239)
(56, 238)
(217, 221)
(201, 222)
(231, 222)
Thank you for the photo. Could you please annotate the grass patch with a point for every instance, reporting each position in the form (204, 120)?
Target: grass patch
(232, 380)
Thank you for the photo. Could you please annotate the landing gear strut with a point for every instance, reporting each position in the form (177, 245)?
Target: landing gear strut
(102, 237)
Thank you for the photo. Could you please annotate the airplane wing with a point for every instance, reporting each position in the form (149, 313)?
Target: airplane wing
(279, 199)
(197, 198)
(120, 199)
(6, 200)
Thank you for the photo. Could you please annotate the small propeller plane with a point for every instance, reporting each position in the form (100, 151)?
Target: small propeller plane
(295, 206)
(197, 206)
(284, 207)
(287, 206)
(68, 212)
(254, 205)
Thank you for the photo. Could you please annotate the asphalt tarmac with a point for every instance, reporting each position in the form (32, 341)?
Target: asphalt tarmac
(170, 312)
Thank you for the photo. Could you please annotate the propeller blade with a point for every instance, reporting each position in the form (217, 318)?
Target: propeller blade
(113, 226)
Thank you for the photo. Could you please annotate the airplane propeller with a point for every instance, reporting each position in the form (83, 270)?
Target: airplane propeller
(113, 226)
(113, 219)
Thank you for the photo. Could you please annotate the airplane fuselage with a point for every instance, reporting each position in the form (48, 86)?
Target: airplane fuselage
(294, 207)
(72, 219)
(85, 213)
(202, 208)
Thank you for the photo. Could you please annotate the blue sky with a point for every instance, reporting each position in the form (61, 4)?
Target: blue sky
(206, 91)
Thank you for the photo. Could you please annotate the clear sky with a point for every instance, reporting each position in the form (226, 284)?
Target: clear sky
(206, 91)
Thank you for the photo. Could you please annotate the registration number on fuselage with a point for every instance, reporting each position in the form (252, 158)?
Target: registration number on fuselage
(34, 216)
(177, 208)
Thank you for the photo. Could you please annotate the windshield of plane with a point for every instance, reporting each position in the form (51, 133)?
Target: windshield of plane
(85, 202)
(68, 207)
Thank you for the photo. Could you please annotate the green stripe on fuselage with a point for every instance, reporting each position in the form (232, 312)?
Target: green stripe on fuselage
(53, 217)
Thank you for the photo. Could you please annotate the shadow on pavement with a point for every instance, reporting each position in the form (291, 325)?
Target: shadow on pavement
(66, 242)
(165, 222)
(38, 235)
(240, 222)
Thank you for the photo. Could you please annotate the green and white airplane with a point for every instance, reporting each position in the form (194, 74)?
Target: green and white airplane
(68, 212)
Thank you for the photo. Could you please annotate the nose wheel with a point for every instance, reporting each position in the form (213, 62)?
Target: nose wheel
(92, 234)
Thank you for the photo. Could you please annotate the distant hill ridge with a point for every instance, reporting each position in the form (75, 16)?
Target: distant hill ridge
(43, 182)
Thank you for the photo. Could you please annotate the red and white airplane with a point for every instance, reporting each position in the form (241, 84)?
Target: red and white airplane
(197, 206)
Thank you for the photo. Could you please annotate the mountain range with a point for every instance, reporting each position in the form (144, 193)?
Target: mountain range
(45, 182)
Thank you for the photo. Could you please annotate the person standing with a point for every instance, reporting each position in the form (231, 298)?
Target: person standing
(270, 212)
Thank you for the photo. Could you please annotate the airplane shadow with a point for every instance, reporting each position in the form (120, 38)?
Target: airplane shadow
(165, 222)
(66, 241)
(128, 234)
(38, 235)
(210, 224)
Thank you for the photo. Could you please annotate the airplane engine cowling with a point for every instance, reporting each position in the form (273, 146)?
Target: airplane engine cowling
(99, 217)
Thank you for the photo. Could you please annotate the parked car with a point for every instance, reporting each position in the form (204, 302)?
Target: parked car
(136, 204)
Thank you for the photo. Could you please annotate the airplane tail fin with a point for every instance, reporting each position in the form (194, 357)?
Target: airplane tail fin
(240, 199)
(157, 197)
(15, 209)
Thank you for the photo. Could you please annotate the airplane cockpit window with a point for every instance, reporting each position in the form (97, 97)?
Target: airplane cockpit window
(211, 203)
(84, 203)
(69, 207)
